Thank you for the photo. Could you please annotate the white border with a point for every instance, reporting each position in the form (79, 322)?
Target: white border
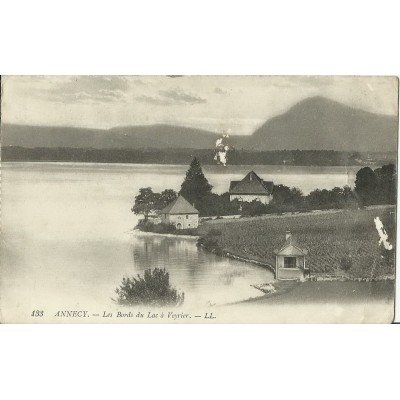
(179, 37)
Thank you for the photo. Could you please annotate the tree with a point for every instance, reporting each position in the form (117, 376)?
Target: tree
(319, 199)
(146, 202)
(386, 186)
(253, 208)
(212, 204)
(366, 185)
(195, 186)
(153, 289)
(166, 197)
(281, 194)
(284, 195)
(296, 196)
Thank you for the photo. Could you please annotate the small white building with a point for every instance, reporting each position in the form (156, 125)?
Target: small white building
(250, 188)
(181, 214)
(290, 260)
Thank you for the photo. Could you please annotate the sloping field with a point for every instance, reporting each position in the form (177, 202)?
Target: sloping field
(333, 240)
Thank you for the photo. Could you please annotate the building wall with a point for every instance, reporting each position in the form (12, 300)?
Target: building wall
(187, 221)
(265, 199)
(289, 273)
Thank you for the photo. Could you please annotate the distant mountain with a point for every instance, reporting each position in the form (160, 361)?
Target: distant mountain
(131, 137)
(318, 123)
(315, 123)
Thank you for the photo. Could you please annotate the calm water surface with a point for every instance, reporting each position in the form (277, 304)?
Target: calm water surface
(66, 232)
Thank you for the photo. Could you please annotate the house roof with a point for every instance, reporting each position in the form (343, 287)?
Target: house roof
(291, 248)
(179, 206)
(251, 184)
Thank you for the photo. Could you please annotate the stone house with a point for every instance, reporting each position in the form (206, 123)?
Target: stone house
(181, 214)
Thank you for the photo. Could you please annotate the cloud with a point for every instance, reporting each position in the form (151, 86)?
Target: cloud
(172, 97)
(220, 91)
(155, 100)
(88, 89)
(180, 96)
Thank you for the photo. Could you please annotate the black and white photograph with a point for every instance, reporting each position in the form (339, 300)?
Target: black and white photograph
(198, 199)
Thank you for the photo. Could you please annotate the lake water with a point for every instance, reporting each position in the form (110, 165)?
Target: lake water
(67, 233)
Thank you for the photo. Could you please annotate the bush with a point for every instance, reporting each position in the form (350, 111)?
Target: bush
(253, 209)
(211, 244)
(153, 289)
(346, 262)
(164, 228)
(145, 226)
(148, 226)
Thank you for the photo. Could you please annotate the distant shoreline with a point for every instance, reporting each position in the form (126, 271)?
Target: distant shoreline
(284, 158)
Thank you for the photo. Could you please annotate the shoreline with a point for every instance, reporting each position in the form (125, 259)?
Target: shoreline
(136, 230)
(314, 277)
(284, 290)
(184, 163)
(231, 256)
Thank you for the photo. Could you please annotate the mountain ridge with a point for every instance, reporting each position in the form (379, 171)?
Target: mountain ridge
(314, 123)
(321, 123)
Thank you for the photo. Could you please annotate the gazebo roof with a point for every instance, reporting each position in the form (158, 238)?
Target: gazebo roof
(291, 248)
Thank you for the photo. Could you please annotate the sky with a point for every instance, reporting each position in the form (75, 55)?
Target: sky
(238, 104)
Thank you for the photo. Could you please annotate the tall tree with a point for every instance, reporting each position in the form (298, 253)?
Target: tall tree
(386, 184)
(195, 186)
(146, 202)
(366, 185)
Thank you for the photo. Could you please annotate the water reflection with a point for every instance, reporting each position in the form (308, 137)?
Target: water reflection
(65, 232)
(204, 277)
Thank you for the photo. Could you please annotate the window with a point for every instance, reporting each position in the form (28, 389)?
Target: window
(187, 216)
(289, 262)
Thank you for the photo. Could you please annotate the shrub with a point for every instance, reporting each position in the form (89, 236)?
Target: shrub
(346, 262)
(164, 228)
(148, 226)
(145, 226)
(186, 232)
(255, 208)
(153, 289)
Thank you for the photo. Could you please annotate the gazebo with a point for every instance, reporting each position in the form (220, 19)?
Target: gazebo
(290, 260)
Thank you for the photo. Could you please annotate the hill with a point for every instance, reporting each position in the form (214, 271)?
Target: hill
(318, 123)
(131, 137)
(315, 123)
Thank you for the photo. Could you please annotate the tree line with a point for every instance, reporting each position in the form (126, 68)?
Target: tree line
(184, 156)
(371, 187)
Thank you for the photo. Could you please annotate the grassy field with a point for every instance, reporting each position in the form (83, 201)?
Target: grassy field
(290, 292)
(332, 239)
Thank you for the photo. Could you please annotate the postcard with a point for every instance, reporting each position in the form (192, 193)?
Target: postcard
(198, 199)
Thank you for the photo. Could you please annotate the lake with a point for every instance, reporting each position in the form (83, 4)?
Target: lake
(67, 233)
